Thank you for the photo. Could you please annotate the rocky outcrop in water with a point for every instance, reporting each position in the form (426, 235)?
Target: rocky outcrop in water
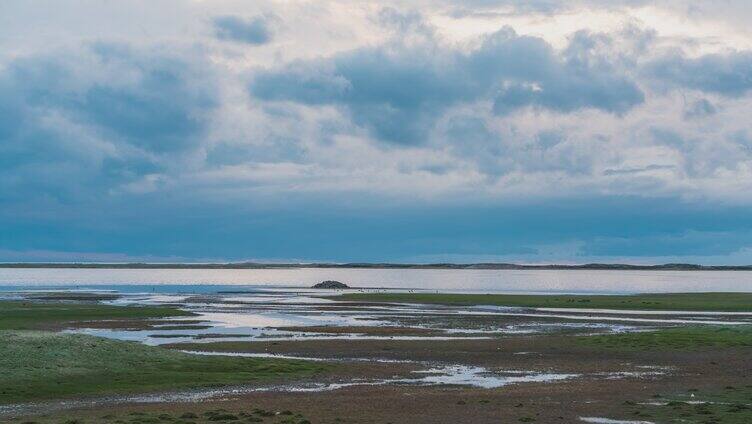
(330, 284)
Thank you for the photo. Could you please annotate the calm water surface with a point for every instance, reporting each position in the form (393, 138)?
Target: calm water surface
(573, 281)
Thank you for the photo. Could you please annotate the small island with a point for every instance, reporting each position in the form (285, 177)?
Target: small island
(330, 284)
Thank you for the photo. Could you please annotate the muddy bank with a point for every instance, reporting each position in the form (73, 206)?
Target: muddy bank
(541, 403)
(371, 331)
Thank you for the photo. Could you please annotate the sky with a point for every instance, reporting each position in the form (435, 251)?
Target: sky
(531, 131)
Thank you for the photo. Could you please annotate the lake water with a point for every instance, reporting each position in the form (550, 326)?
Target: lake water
(543, 281)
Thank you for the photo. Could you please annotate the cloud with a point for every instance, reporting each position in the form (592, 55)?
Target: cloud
(700, 108)
(162, 108)
(686, 243)
(68, 256)
(627, 171)
(401, 119)
(398, 93)
(726, 74)
(743, 139)
(580, 77)
(89, 120)
(254, 30)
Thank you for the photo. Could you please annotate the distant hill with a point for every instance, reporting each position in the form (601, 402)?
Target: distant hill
(255, 265)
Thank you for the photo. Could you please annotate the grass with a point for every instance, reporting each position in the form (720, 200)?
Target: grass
(19, 315)
(171, 415)
(37, 365)
(729, 302)
(728, 406)
(680, 338)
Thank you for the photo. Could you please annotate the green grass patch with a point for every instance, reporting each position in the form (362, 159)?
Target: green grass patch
(37, 365)
(18, 315)
(729, 302)
(728, 406)
(683, 338)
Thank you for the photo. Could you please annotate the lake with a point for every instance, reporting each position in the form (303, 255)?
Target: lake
(492, 281)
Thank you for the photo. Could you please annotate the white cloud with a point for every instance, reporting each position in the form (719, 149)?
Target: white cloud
(659, 147)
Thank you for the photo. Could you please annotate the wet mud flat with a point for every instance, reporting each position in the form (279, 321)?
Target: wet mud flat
(412, 363)
(380, 381)
(592, 395)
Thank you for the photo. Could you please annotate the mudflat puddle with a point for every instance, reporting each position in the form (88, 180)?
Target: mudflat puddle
(597, 420)
(480, 377)
(264, 314)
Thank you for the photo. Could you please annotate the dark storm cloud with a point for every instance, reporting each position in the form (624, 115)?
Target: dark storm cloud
(726, 74)
(87, 125)
(398, 93)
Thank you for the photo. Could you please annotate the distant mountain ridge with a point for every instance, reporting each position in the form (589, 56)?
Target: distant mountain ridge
(362, 265)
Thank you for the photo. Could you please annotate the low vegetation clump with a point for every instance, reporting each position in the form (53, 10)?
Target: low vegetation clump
(41, 365)
(37, 364)
(728, 406)
(214, 416)
(20, 315)
(679, 338)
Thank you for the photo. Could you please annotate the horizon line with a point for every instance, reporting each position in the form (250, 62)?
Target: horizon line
(373, 265)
